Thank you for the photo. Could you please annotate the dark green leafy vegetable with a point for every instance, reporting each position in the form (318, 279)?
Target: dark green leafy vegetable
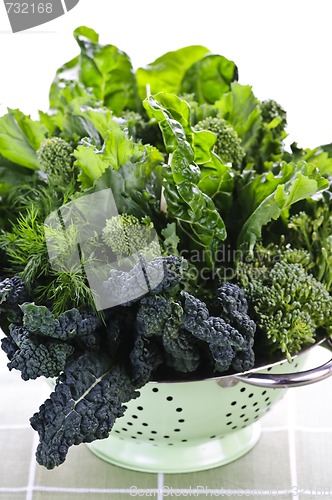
(87, 399)
(137, 223)
(287, 302)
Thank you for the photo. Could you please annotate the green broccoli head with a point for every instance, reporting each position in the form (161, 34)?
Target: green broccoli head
(56, 158)
(126, 234)
(228, 144)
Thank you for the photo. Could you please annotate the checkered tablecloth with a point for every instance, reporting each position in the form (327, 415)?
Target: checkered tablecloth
(292, 460)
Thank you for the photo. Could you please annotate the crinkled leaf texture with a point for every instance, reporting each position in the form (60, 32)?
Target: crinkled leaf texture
(264, 197)
(194, 210)
(87, 399)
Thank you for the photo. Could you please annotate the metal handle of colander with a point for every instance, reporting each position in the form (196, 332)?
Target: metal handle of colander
(287, 380)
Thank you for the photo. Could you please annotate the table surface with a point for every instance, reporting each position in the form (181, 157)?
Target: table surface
(292, 459)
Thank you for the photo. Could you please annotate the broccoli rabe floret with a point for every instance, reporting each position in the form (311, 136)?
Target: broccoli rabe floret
(228, 144)
(56, 159)
(312, 230)
(287, 302)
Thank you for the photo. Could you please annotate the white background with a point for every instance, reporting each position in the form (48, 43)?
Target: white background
(282, 48)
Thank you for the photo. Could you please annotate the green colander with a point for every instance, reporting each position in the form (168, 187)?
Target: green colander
(177, 427)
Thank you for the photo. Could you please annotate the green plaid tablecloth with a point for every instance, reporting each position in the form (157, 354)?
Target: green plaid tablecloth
(292, 459)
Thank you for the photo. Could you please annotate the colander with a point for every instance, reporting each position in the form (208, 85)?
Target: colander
(177, 427)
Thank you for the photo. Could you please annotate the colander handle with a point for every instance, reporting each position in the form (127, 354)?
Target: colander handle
(280, 380)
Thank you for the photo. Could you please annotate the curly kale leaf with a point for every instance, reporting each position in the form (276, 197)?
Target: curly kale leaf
(182, 352)
(34, 357)
(68, 325)
(88, 398)
(158, 275)
(12, 291)
(229, 338)
(161, 318)
(153, 314)
(145, 357)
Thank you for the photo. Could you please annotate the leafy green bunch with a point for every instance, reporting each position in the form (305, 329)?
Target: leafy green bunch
(218, 255)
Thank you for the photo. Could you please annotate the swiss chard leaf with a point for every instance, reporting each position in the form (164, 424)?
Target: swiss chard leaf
(240, 107)
(266, 196)
(20, 138)
(166, 73)
(194, 210)
(209, 78)
(101, 71)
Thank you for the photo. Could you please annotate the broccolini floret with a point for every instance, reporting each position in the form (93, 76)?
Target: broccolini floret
(126, 235)
(56, 158)
(287, 302)
(228, 144)
(274, 112)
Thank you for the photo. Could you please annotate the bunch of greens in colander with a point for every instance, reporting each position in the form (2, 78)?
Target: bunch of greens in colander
(232, 233)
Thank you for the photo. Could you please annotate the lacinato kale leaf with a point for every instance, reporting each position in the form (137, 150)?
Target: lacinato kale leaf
(87, 399)
(33, 356)
(68, 325)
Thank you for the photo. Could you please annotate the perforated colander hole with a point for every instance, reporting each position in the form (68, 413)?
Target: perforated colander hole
(228, 415)
(243, 407)
(177, 430)
(212, 437)
(234, 427)
(229, 423)
(153, 432)
(169, 398)
(233, 403)
(179, 410)
(140, 433)
(267, 399)
(251, 395)
(242, 389)
(166, 437)
(181, 420)
(145, 424)
(155, 389)
(124, 429)
(255, 404)
(184, 440)
(129, 423)
(243, 415)
(263, 393)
